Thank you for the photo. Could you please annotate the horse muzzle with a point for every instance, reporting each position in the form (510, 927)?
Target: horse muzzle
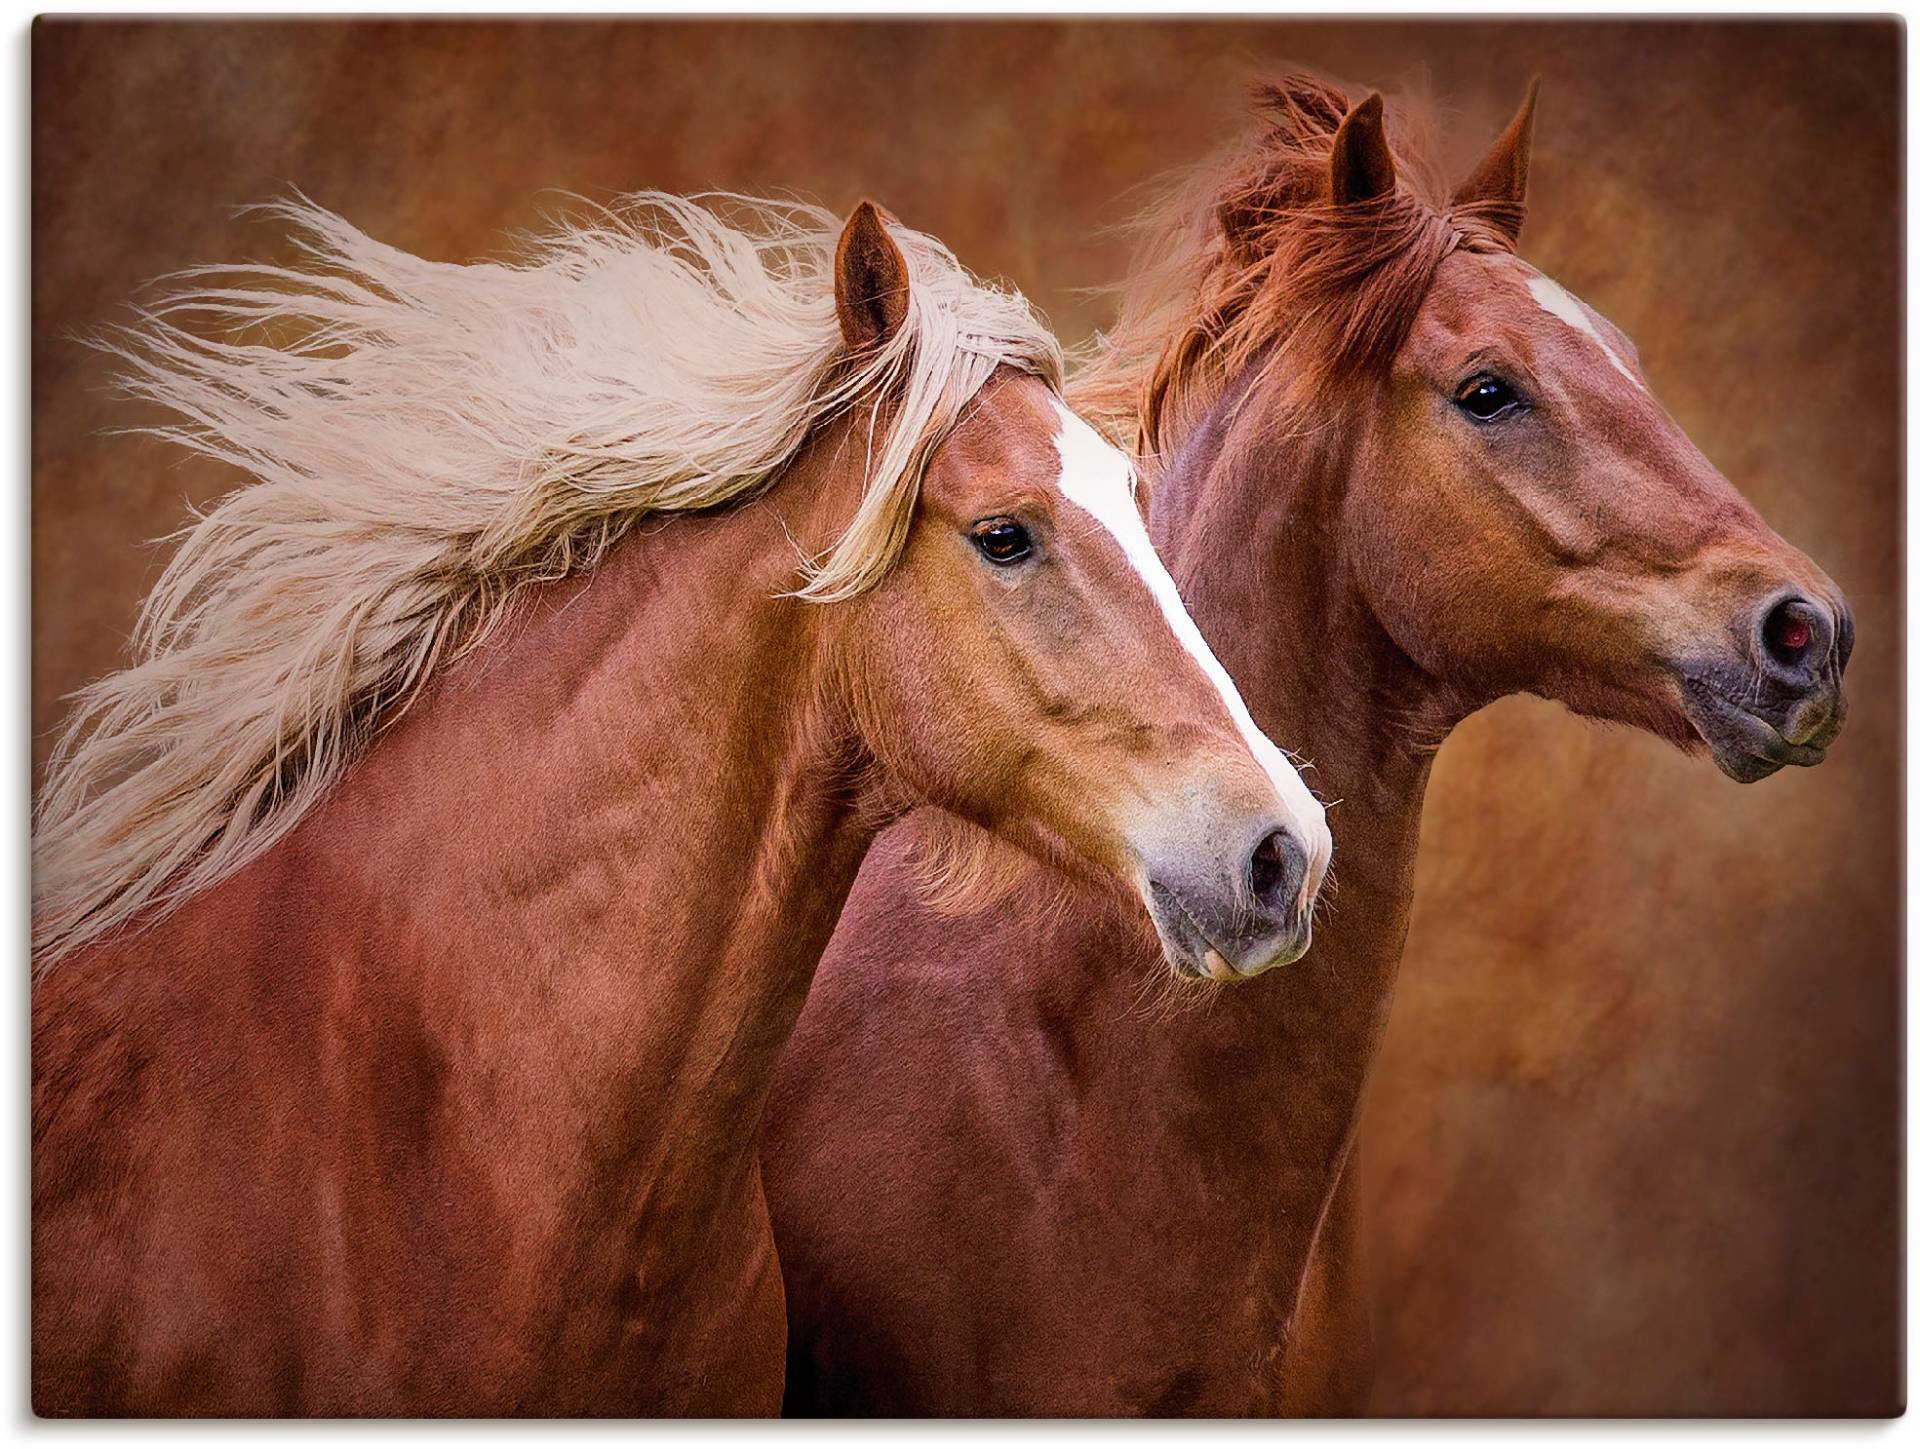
(1231, 919)
(1775, 697)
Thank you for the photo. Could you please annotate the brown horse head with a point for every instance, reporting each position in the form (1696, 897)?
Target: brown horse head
(987, 628)
(1520, 512)
(1591, 553)
(1027, 665)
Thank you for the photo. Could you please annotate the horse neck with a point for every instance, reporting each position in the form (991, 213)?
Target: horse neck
(626, 831)
(1252, 533)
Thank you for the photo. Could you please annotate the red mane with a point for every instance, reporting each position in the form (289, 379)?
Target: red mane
(1250, 255)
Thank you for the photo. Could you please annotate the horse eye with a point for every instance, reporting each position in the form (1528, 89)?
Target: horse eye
(1486, 398)
(1002, 541)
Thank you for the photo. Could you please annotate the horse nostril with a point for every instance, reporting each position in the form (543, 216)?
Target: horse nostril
(1276, 870)
(1797, 633)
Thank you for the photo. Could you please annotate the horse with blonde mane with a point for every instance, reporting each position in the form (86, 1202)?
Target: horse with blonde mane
(1398, 473)
(420, 917)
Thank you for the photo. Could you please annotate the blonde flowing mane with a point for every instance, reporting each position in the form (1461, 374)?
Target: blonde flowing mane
(421, 442)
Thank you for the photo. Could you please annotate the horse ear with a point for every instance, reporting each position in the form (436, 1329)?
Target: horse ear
(1362, 166)
(869, 280)
(1501, 176)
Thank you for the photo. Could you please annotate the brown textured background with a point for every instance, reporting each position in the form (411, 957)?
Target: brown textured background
(1635, 1142)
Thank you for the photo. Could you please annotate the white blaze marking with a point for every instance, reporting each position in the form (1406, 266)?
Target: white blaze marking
(1556, 299)
(1095, 476)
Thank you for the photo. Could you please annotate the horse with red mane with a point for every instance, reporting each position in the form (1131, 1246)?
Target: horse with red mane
(1397, 473)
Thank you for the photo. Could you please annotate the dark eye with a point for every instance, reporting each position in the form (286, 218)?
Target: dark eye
(1486, 398)
(1002, 541)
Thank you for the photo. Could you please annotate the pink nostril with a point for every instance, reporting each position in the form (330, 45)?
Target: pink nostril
(1796, 635)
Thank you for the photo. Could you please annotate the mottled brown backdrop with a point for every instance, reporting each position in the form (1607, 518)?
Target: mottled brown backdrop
(1635, 1141)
